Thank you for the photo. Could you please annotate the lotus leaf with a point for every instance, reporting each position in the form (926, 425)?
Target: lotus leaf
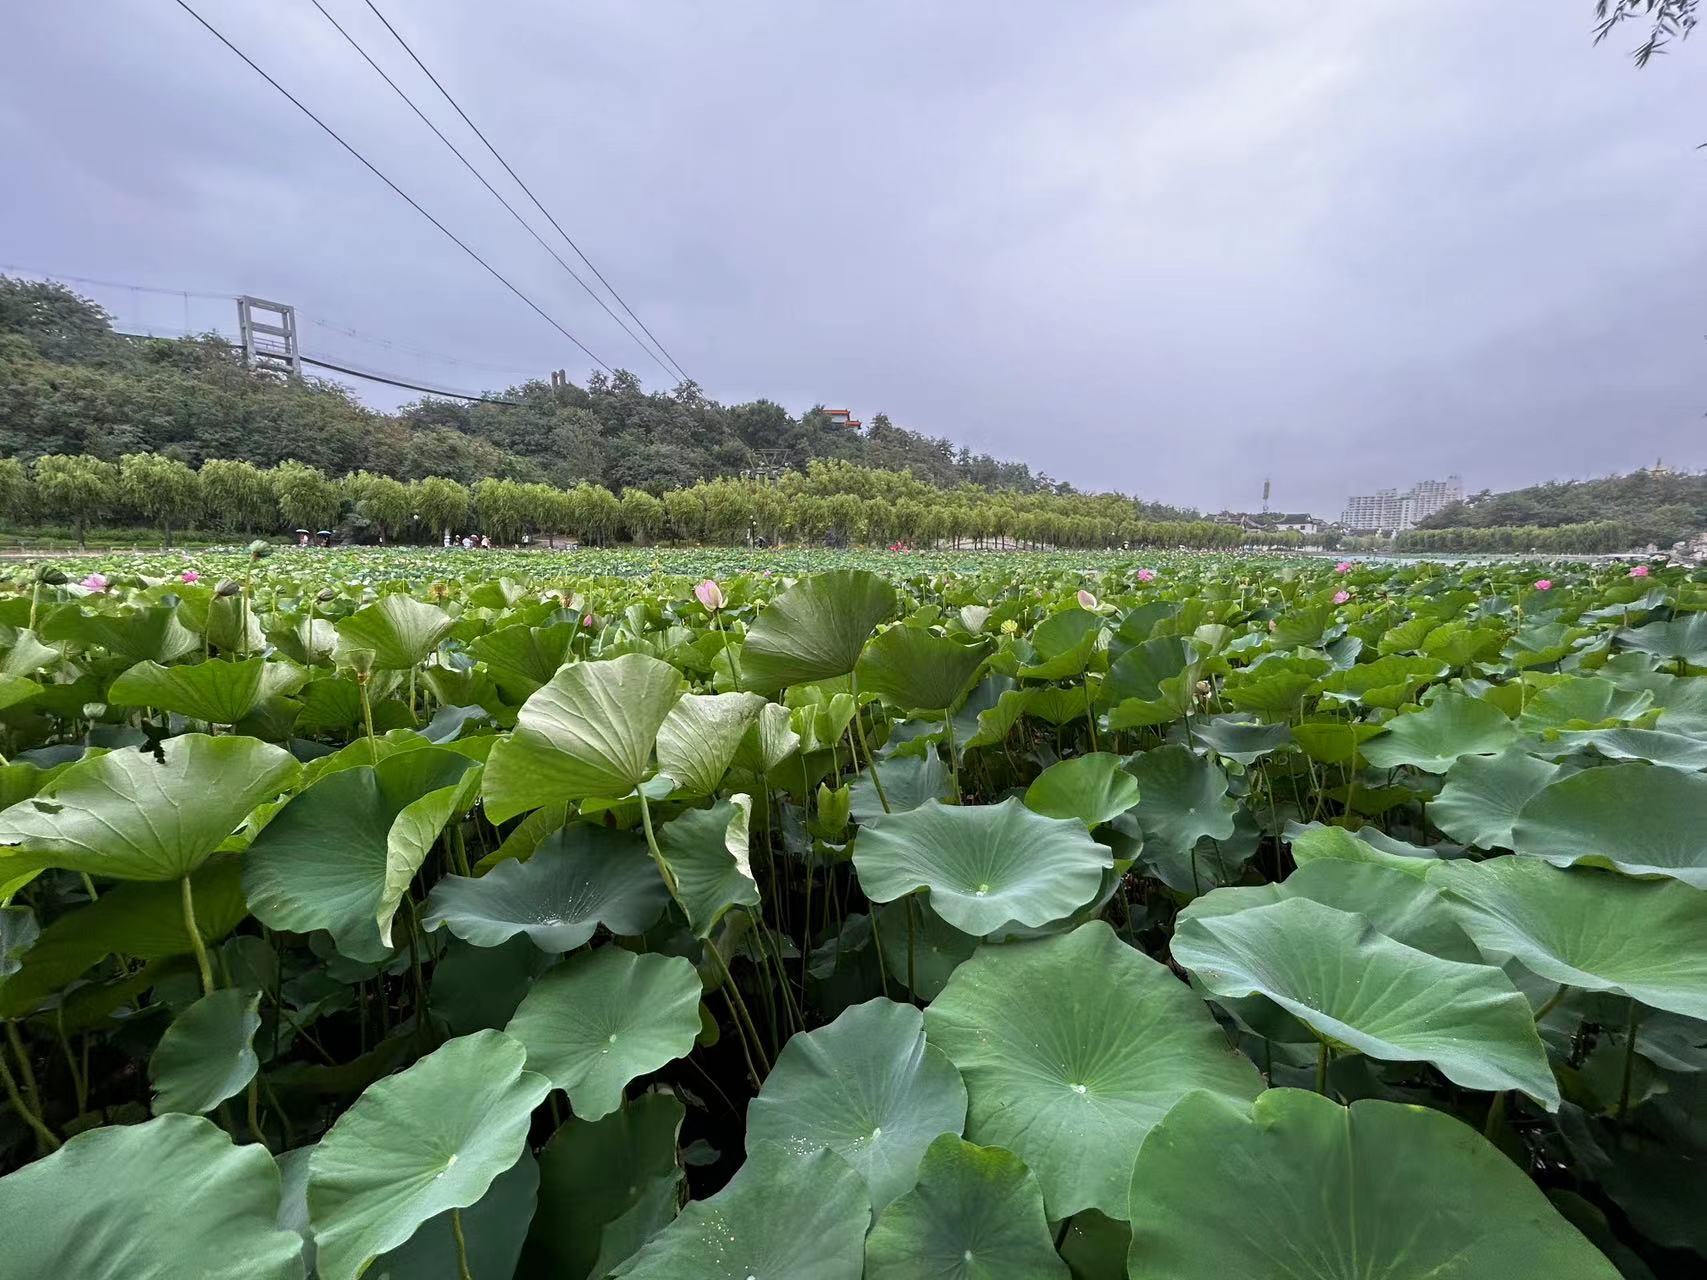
(984, 865)
(605, 1016)
(869, 1088)
(1072, 1047)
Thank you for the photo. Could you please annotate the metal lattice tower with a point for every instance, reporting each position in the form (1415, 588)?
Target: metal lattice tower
(269, 335)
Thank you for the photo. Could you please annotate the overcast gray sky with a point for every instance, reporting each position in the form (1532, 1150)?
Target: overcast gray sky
(1170, 249)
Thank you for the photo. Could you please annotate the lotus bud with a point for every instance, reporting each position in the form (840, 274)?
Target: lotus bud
(260, 549)
(227, 588)
(1203, 688)
(710, 595)
(1087, 600)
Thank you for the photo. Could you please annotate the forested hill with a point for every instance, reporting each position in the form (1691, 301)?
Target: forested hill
(70, 385)
(1657, 504)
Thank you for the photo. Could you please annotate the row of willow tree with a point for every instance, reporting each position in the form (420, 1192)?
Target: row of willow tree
(1587, 537)
(830, 501)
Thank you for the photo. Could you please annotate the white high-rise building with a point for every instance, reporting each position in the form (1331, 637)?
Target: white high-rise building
(1388, 509)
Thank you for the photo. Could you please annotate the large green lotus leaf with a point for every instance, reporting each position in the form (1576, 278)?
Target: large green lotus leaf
(1143, 669)
(1677, 750)
(1239, 737)
(1581, 701)
(769, 740)
(1092, 788)
(493, 1230)
(577, 879)
(522, 658)
(592, 1172)
(815, 629)
(163, 1200)
(1395, 1191)
(1387, 682)
(398, 630)
(937, 946)
(1276, 688)
(918, 670)
(217, 691)
(138, 815)
(17, 690)
(1483, 796)
(1401, 906)
(1183, 799)
(869, 1088)
(1072, 1047)
(1592, 930)
(984, 865)
(1641, 819)
(698, 739)
(1356, 988)
(414, 1145)
(976, 1214)
(338, 856)
(605, 1016)
(207, 1055)
(1313, 842)
(1064, 632)
(783, 1216)
(1451, 726)
(908, 781)
(137, 634)
(1683, 638)
(706, 851)
(142, 920)
(588, 732)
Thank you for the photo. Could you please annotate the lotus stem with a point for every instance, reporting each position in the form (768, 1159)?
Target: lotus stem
(1496, 1116)
(734, 662)
(1629, 1060)
(953, 758)
(738, 1009)
(367, 717)
(1552, 1001)
(461, 1245)
(652, 845)
(912, 986)
(188, 899)
(44, 1135)
(1090, 717)
(859, 730)
(877, 939)
(1322, 1069)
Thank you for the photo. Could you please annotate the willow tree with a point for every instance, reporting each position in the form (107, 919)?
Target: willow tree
(161, 490)
(76, 488)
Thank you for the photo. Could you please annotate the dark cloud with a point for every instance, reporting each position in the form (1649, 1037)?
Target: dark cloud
(1169, 249)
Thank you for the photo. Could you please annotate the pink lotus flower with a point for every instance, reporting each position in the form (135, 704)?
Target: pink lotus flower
(1640, 571)
(1344, 566)
(95, 582)
(586, 620)
(1543, 584)
(1146, 575)
(1340, 597)
(190, 575)
(710, 595)
(1087, 600)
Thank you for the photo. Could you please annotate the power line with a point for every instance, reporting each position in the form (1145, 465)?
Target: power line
(390, 344)
(481, 178)
(360, 373)
(369, 166)
(526, 189)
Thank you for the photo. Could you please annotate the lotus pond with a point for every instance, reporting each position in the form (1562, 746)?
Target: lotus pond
(788, 916)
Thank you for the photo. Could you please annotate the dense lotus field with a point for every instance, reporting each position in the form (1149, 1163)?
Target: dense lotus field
(419, 914)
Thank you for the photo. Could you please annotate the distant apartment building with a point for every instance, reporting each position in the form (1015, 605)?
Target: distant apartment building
(1388, 509)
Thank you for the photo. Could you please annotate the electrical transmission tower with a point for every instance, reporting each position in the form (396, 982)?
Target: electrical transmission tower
(269, 342)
